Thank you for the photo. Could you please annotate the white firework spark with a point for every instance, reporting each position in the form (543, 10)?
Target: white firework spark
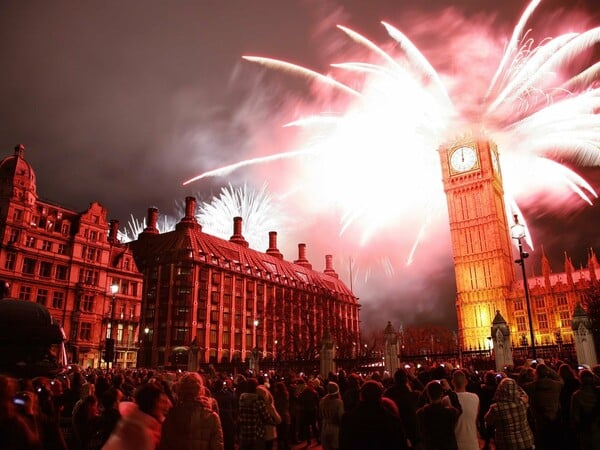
(384, 143)
(256, 208)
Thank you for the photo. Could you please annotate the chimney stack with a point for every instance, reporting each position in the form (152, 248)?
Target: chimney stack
(302, 261)
(113, 231)
(329, 267)
(189, 220)
(151, 221)
(237, 237)
(273, 250)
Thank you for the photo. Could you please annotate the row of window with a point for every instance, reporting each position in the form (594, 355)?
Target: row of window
(43, 221)
(564, 317)
(42, 296)
(540, 302)
(45, 269)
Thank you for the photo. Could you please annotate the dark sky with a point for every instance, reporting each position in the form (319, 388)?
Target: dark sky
(121, 101)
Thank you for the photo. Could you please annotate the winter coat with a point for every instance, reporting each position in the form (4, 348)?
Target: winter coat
(331, 410)
(135, 431)
(191, 425)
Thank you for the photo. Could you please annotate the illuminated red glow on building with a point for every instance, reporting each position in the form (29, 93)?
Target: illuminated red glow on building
(67, 261)
(212, 300)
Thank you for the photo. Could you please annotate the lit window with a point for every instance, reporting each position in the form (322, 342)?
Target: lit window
(565, 319)
(87, 304)
(61, 272)
(42, 296)
(543, 321)
(25, 293)
(58, 299)
(15, 236)
(85, 333)
(561, 300)
(518, 305)
(28, 266)
(9, 264)
(521, 324)
(45, 269)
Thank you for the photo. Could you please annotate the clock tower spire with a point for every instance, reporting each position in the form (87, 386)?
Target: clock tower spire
(481, 246)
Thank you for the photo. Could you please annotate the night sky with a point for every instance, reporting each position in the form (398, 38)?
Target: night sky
(121, 101)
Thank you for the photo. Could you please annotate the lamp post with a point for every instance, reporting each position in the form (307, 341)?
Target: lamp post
(254, 337)
(147, 347)
(110, 342)
(518, 232)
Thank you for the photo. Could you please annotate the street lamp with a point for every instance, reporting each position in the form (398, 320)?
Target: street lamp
(114, 288)
(110, 341)
(254, 337)
(147, 348)
(517, 232)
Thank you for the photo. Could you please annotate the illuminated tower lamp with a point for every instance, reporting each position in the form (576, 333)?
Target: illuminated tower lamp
(109, 344)
(147, 347)
(517, 232)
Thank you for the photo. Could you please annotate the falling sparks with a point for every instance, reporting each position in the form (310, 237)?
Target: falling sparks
(375, 163)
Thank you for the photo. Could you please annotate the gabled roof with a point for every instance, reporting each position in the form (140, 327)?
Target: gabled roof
(189, 243)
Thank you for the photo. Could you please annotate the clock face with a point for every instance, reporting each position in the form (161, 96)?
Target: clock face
(463, 159)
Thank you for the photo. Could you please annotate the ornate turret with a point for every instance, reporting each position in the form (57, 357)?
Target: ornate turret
(546, 270)
(569, 269)
(17, 178)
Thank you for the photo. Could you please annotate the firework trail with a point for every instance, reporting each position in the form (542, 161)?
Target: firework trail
(256, 208)
(375, 162)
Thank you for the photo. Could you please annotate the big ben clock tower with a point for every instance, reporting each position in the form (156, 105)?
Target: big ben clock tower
(481, 246)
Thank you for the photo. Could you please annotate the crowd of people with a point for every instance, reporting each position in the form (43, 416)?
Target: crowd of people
(541, 406)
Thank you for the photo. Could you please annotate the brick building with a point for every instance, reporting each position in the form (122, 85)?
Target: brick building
(68, 261)
(207, 299)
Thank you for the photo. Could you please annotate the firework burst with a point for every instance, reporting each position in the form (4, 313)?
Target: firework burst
(375, 162)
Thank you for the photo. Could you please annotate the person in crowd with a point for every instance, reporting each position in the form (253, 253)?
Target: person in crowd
(331, 410)
(270, 428)
(141, 422)
(308, 410)
(252, 417)
(191, 424)
(281, 398)
(436, 421)
(571, 384)
(226, 400)
(466, 425)
(585, 413)
(47, 416)
(508, 417)
(351, 395)
(85, 416)
(108, 418)
(15, 433)
(406, 399)
(486, 398)
(544, 398)
(370, 425)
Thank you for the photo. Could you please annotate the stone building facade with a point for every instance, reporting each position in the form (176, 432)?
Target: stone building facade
(209, 300)
(68, 261)
(484, 257)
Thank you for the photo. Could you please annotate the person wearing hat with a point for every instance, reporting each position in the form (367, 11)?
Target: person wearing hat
(370, 425)
(331, 409)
